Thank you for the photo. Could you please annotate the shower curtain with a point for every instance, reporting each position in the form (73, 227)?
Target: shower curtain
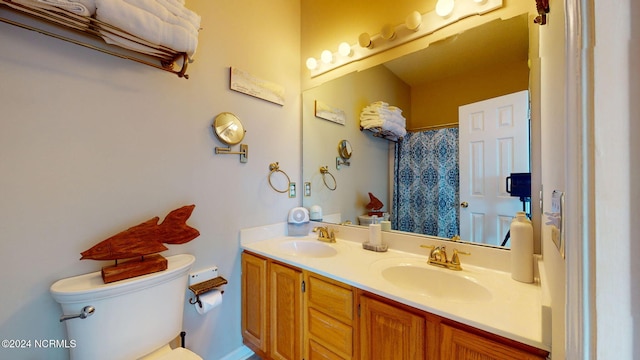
(426, 183)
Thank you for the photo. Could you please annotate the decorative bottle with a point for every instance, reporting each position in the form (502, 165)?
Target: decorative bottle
(521, 248)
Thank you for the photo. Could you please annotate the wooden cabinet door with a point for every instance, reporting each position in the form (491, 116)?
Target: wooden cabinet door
(286, 312)
(254, 303)
(388, 332)
(458, 344)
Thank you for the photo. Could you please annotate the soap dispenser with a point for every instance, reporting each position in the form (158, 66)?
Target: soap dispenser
(521, 248)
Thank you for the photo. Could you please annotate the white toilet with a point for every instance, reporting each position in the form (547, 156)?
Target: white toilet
(133, 318)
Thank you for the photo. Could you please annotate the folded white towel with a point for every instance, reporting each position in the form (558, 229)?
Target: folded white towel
(380, 117)
(376, 121)
(120, 39)
(80, 7)
(163, 13)
(397, 119)
(29, 6)
(146, 25)
(182, 12)
(385, 114)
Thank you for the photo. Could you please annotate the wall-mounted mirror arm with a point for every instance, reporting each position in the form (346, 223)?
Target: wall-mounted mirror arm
(244, 152)
(340, 162)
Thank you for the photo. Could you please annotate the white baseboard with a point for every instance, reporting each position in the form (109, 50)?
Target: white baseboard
(241, 353)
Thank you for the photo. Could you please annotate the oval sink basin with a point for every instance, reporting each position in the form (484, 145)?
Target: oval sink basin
(306, 248)
(437, 283)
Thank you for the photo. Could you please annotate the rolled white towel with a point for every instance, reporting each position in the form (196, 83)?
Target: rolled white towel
(164, 14)
(123, 40)
(128, 44)
(146, 26)
(394, 129)
(80, 7)
(181, 11)
(371, 123)
(397, 119)
(31, 6)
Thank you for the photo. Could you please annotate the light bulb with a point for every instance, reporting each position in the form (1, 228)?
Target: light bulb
(365, 41)
(388, 32)
(312, 63)
(344, 49)
(413, 21)
(326, 57)
(444, 8)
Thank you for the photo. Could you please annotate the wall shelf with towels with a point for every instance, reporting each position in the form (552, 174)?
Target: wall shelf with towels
(87, 31)
(381, 133)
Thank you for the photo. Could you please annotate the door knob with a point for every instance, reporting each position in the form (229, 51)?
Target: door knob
(464, 204)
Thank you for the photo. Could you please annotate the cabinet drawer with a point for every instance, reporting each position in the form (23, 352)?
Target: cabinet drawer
(330, 298)
(331, 332)
(319, 352)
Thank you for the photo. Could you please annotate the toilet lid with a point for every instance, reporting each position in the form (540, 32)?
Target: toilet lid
(180, 354)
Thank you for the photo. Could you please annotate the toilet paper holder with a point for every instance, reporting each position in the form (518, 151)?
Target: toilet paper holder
(205, 286)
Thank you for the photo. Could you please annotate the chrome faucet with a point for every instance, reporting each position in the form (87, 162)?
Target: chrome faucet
(438, 257)
(325, 234)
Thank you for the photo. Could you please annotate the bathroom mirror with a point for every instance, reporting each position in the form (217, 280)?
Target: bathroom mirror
(485, 55)
(228, 128)
(344, 149)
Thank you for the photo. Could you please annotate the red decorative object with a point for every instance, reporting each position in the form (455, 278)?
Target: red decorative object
(146, 238)
(542, 6)
(374, 206)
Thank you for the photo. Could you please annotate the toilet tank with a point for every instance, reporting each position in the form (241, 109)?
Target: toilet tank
(132, 317)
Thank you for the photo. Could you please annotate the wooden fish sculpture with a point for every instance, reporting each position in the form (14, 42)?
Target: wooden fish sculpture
(374, 203)
(146, 238)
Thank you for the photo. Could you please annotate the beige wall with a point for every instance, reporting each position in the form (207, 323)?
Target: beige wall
(91, 144)
(436, 103)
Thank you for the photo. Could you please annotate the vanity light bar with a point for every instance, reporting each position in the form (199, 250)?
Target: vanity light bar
(403, 33)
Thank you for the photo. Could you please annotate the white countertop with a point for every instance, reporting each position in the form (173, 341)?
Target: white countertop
(514, 310)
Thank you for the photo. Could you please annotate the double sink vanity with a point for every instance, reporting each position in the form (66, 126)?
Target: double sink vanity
(307, 299)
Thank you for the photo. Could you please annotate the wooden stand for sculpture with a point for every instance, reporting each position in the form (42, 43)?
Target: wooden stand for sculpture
(132, 268)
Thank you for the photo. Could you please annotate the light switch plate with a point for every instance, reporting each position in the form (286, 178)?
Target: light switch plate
(292, 189)
(557, 220)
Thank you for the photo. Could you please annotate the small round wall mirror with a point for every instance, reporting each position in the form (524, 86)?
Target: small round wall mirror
(228, 128)
(344, 148)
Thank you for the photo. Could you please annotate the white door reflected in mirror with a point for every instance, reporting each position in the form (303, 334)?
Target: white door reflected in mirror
(494, 142)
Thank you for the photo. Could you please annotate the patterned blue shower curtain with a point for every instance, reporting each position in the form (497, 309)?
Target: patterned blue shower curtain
(426, 185)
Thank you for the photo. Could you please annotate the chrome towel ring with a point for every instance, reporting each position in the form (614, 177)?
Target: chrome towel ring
(275, 168)
(324, 170)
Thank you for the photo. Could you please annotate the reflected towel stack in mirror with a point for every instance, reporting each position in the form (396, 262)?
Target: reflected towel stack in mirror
(380, 116)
